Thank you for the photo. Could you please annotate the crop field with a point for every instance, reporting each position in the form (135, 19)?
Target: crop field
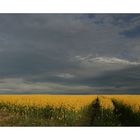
(69, 110)
(68, 101)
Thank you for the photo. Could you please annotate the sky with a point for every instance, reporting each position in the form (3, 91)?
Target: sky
(70, 53)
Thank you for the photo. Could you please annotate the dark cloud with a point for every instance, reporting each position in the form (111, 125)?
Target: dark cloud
(69, 52)
(132, 33)
(122, 81)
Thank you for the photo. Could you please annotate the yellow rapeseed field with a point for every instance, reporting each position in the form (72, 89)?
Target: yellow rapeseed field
(106, 102)
(69, 101)
(132, 100)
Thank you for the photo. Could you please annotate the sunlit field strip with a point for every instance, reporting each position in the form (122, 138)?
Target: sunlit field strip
(132, 100)
(69, 101)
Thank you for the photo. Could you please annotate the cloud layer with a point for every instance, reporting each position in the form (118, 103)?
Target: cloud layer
(108, 60)
(77, 53)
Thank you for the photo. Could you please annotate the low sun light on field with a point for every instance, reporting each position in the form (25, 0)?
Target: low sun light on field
(69, 101)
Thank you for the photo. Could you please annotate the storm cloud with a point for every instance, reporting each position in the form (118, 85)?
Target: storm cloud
(69, 53)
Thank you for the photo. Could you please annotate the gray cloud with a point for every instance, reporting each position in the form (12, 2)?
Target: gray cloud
(69, 50)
